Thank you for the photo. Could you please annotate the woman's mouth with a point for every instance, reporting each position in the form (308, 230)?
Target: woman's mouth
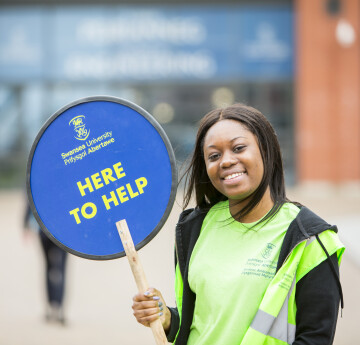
(234, 176)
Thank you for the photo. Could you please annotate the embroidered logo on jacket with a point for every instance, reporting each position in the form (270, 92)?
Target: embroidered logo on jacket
(266, 252)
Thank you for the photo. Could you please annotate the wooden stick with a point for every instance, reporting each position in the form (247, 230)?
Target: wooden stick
(139, 275)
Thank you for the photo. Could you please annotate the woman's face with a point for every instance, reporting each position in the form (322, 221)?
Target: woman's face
(233, 159)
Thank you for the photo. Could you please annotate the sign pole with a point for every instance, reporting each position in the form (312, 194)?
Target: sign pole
(139, 275)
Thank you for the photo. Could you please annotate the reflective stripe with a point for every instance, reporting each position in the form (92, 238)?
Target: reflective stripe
(310, 240)
(276, 327)
(262, 322)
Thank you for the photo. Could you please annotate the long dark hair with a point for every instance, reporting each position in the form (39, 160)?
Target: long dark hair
(198, 182)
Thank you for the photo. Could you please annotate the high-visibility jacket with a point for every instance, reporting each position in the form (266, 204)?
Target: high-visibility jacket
(308, 242)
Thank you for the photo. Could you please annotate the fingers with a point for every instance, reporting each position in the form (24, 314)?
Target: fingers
(145, 305)
(148, 307)
(146, 317)
(147, 296)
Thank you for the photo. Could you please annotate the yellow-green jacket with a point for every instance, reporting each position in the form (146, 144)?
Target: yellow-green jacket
(300, 305)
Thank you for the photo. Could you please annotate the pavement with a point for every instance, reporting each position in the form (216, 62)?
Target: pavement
(99, 294)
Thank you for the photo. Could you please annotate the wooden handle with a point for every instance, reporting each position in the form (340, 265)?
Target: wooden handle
(139, 275)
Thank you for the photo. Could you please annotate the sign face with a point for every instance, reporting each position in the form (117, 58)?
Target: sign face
(96, 161)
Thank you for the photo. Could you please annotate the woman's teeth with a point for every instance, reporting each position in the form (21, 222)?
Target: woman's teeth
(229, 177)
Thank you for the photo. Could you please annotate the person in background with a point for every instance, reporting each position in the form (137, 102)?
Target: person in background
(55, 268)
(252, 267)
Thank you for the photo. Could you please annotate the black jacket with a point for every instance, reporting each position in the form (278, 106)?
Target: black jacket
(317, 293)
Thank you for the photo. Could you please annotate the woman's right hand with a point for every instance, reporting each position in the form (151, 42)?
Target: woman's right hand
(150, 306)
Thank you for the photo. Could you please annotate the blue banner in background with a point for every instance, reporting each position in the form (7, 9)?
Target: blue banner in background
(118, 43)
(22, 48)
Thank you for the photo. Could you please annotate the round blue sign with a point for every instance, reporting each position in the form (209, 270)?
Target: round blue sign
(96, 161)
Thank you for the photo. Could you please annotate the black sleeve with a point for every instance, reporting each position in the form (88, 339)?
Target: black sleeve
(174, 325)
(317, 299)
(175, 319)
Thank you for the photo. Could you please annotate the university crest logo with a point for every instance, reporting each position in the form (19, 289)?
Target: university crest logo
(266, 252)
(81, 133)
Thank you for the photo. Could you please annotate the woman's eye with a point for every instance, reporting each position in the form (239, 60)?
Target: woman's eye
(239, 148)
(213, 156)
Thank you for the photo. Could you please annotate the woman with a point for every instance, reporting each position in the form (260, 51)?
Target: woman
(251, 266)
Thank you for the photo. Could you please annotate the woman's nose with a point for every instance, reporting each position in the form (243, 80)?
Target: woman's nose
(227, 161)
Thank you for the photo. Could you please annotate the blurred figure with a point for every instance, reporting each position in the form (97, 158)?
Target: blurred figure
(55, 260)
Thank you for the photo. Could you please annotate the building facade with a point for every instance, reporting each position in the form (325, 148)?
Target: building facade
(178, 61)
(328, 91)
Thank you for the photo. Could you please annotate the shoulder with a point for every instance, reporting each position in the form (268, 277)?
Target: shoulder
(305, 225)
(194, 214)
(304, 221)
(191, 214)
(310, 224)
(189, 226)
(290, 209)
(285, 214)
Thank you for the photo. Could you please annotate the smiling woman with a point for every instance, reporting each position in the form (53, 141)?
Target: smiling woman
(252, 267)
(241, 132)
(234, 164)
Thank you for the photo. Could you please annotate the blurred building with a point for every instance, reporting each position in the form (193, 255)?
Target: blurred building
(178, 60)
(328, 90)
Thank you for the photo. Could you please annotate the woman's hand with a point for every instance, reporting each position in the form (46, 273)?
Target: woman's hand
(150, 306)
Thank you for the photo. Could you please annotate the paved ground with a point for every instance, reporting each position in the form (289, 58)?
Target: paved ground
(98, 298)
